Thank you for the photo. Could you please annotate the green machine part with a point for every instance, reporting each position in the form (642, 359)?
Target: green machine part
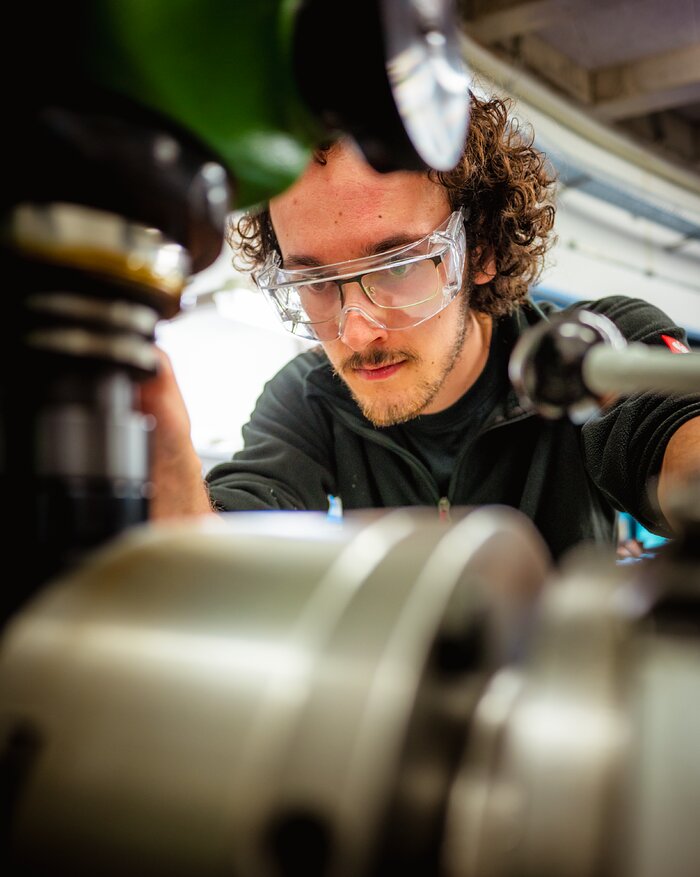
(251, 86)
(222, 69)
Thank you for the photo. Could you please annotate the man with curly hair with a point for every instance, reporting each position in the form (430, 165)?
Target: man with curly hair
(416, 285)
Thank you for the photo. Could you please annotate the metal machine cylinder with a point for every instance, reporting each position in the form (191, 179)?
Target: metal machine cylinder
(229, 699)
(281, 693)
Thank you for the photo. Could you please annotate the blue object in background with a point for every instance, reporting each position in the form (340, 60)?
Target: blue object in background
(335, 508)
(630, 528)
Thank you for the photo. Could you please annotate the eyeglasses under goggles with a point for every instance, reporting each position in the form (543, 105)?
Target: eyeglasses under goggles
(405, 286)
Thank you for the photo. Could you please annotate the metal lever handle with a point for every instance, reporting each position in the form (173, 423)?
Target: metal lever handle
(640, 368)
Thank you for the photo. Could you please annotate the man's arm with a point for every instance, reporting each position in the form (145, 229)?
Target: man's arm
(176, 470)
(637, 451)
(680, 467)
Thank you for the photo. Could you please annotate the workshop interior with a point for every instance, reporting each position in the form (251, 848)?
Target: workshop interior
(300, 693)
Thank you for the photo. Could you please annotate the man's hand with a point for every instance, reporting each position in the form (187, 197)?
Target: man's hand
(176, 470)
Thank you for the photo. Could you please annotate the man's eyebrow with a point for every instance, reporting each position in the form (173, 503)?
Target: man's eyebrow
(300, 260)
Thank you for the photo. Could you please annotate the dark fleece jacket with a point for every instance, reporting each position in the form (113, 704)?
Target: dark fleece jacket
(307, 439)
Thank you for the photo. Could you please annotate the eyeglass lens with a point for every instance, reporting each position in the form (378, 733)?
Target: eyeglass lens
(393, 288)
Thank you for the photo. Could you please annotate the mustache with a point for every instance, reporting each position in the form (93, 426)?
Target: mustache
(377, 357)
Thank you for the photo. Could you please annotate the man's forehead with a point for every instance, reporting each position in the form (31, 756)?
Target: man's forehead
(335, 216)
(345, 180)
(332, 195)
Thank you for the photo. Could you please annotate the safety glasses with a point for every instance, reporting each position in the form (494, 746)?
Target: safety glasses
(401, 288)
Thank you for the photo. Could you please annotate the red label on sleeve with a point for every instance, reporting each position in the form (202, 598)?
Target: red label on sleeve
(674, 345)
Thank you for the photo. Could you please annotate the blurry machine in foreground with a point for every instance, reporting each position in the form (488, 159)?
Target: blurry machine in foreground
(282, 694)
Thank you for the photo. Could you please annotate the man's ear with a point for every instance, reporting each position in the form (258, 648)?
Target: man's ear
(487, 265)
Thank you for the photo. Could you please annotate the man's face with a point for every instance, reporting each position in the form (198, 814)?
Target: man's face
(346, 210)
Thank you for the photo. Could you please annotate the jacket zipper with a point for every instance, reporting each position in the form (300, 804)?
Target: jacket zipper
(465, 450)
(390, 445)
(443, 502)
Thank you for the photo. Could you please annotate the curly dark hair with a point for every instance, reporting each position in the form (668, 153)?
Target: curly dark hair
(505, 184)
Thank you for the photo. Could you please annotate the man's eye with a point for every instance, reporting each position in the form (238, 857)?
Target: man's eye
(324, 287)
(400, 270)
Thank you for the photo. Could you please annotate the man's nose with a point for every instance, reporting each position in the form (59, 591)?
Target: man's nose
(358, 328)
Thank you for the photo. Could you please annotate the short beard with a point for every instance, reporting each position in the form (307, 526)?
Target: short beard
(422, 393)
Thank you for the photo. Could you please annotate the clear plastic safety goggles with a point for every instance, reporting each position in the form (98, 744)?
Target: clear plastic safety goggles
(401, 288)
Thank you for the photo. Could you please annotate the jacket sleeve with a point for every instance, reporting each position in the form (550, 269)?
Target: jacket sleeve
(284, 461)
(624, 446)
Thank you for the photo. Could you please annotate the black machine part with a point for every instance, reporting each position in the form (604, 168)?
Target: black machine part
(400, 86)
(569, 365)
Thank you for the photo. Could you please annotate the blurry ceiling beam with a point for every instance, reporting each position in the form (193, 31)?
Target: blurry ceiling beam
(657, 82)
(555, 67)
(597, 147)
(622, 91)
(521, 18)
(668, 130)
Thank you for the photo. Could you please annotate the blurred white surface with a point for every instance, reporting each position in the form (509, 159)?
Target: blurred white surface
(224, 345)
